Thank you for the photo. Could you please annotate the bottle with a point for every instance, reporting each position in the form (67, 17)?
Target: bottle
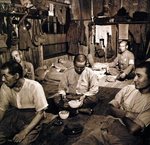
(109, 49)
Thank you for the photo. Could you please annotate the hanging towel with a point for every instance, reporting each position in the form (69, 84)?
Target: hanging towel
(60, 12)
(83, 39)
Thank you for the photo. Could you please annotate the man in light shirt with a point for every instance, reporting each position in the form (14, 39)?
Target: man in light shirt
(123, 64)
(129, 114)
(22, 105)
(79, 81)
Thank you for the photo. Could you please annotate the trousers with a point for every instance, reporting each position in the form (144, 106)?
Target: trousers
(14, 121)
(110, 132)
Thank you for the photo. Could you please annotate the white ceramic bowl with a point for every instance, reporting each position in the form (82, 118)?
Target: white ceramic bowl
(63, 114)
(74, 103)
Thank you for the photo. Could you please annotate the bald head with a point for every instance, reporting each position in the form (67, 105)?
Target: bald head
(80, 58)
(80, 63)
(123, 46)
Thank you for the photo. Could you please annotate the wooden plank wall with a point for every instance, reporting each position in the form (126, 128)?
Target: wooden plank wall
(35, 55)
(55, 44)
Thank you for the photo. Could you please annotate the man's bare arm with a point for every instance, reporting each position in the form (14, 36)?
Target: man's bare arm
(131, 126)
(128, 69)
(116, 112)
(127, 118)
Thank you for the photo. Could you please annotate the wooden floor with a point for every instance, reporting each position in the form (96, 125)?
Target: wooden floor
(53, 135)
(114, 84)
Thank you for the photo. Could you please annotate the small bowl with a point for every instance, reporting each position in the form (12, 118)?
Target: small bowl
(74, 103)
(63, 114)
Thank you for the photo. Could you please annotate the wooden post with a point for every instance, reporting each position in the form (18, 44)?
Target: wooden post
(55, 25)
(92, 16)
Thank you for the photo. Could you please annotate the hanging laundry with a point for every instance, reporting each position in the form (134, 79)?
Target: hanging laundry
(83, 39)
(73, 37)
(38, 37)
(60, 13)
(24, 38)
(3, 35)
(51, 10)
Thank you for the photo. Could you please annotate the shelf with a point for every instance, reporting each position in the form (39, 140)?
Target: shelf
(16, 14)
(116, 23)
(33, 13)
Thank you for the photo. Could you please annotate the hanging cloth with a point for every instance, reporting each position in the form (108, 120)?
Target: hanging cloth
(83, 39)
(3, 36)
(109, 53)
(38, 37)
(73, 37)
(14, 40)
(3, 45)
(60, 13)
(24, 38)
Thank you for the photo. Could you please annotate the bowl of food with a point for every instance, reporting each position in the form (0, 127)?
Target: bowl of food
(63, 114)
(74, 103)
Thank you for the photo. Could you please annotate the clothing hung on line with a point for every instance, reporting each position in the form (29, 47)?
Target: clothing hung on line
(75, 35)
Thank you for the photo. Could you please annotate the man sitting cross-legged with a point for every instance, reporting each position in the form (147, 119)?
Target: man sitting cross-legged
(123, 64)
(79, 81)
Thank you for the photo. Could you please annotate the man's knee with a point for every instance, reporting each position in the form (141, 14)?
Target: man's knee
(114, 71)
(90, 100)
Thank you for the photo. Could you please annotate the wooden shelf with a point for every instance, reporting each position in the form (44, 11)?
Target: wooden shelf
(16, 14)
(38, 13)
(116, 23)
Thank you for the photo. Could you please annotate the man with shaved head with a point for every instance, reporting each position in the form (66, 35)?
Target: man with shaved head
(78, 82)
(123, 64)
